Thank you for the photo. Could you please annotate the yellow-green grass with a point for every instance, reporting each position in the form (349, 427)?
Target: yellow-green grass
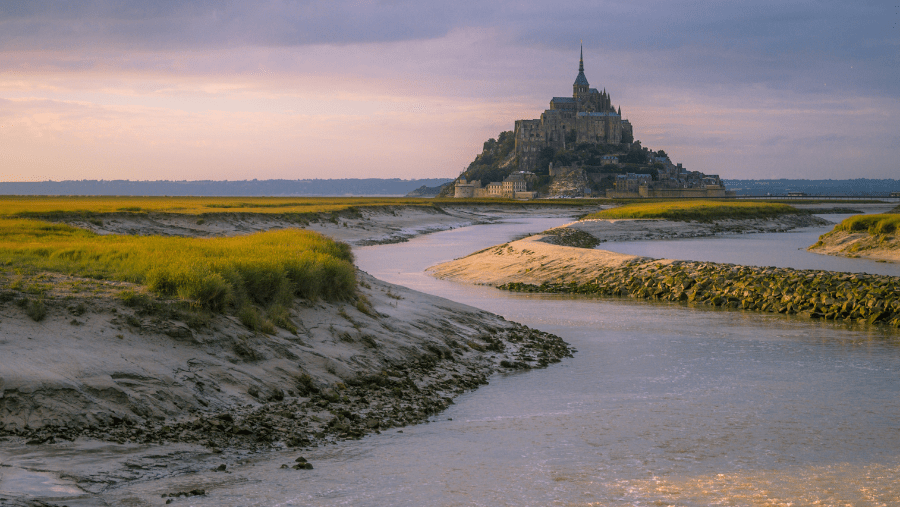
(875, 225)
(55, 207)
(48, 206)
(703, 211)
(216, 273)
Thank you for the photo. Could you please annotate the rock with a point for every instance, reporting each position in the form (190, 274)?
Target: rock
(179, 331)
(242, 430)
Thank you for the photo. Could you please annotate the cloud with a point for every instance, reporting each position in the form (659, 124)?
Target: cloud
(819, 46)
(726, 87)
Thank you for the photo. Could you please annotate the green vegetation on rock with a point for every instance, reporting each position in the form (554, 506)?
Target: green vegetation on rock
(701, 211)
(815, 294)
(496, 160)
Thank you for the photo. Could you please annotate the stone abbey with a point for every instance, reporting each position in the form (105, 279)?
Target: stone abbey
(579, 147)
(588, 116)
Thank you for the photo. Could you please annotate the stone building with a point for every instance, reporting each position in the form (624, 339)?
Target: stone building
(513, 187)
(588, 116)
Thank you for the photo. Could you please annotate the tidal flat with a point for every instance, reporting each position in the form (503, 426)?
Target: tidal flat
(292, 413)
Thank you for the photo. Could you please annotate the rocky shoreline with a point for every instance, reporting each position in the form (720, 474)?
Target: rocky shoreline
(859, 298)
(308, 413)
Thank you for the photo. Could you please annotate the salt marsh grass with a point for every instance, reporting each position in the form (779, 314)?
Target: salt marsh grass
(702, 211)
(876, 225)
(262, 269)
(58, 207)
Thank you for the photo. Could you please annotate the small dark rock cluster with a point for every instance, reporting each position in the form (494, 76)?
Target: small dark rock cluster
(193, 492)
(567, 236)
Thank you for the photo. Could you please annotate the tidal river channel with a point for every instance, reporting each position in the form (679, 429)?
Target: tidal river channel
(663, 404)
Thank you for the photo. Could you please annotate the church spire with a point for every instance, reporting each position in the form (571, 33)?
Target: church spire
(581, 60)
(581, 85)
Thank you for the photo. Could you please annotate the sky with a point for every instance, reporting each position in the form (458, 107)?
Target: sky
(295, 89)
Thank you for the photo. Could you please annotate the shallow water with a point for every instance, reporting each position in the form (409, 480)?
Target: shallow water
(663, 404)
(781, 249)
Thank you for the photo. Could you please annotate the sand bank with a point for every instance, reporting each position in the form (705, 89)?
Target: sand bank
(860, 244)
(541, 264)
(358, 226)
(642, 229)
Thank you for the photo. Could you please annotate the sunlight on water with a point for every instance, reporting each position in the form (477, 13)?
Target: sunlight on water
(663, 404)
(838, 484)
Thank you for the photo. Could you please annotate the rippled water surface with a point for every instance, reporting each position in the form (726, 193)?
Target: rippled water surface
(782, 249)
(662, 405)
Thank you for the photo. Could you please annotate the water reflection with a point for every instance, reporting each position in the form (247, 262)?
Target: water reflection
(663, 404)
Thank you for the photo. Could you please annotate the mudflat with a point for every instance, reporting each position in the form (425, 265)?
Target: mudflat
(103, 382)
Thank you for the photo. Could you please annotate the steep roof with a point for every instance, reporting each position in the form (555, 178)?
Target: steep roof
(581, 80)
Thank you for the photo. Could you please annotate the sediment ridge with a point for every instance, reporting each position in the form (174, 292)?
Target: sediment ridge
(534, 265)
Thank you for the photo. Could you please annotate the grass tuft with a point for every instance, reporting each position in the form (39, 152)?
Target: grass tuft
(700, 211)
(876, 225)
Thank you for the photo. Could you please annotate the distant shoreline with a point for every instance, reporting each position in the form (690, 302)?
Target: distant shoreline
(397, 187)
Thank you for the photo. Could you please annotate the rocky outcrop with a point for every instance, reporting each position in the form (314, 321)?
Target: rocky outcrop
(825, 295)
(568, 182)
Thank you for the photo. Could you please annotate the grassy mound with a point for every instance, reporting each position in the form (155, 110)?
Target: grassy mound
(701, 211)
(263, 269)
(875, 225)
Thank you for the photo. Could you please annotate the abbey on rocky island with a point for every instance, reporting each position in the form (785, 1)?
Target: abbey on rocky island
(579, 147)
(588, 116)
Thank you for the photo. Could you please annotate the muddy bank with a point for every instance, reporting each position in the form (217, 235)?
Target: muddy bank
(859, 244)
(358, 226)
(642, 229)
(102, 384)
(535, 265)
(98, 365)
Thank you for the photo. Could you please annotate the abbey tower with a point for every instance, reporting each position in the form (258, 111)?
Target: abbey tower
(588, 116)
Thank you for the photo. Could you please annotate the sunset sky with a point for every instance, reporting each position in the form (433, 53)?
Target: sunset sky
(177, 89)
